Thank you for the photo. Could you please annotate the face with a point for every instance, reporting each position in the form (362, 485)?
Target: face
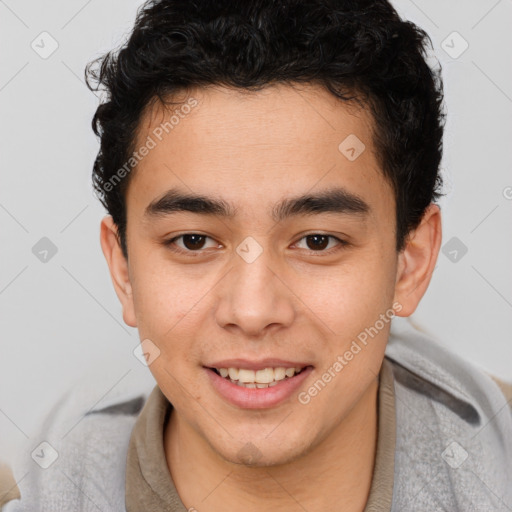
(281, 258)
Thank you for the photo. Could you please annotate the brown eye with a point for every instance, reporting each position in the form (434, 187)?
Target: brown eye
(315, 242)
(189, 243)
(318, 242)
(193, 242)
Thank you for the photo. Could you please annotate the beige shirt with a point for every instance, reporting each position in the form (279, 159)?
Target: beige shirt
(8, 488)
(149, 485)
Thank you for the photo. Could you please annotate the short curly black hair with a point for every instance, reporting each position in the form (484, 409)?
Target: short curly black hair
(358, 50)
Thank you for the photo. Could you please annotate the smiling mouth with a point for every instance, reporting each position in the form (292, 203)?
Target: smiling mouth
(258, 379)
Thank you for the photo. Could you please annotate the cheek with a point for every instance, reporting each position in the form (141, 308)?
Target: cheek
(166, 297)
(167, 306)
(170, 309)
(359, 318)
(346, 299)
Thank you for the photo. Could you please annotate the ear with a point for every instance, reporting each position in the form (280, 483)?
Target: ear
(118, 267)
(417, 260)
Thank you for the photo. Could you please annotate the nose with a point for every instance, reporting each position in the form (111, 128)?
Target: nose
(255, 298)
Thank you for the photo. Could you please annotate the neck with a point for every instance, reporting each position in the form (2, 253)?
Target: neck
(335, 474)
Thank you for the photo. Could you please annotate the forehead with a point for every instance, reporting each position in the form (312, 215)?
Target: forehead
(274, 116)
(250, 147)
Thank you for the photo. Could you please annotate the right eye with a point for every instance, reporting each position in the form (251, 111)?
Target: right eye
(191, 243)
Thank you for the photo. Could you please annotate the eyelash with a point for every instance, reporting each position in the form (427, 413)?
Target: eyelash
(170, 244)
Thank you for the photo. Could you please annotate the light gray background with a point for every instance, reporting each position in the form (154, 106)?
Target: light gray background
(61, 320)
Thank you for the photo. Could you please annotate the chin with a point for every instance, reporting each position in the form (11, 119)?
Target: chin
(262, 453)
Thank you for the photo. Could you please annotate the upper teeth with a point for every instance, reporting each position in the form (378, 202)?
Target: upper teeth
(265, 376)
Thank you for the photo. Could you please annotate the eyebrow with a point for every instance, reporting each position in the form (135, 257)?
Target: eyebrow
(334, 200)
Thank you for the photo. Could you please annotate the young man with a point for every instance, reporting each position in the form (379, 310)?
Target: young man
(271, 171)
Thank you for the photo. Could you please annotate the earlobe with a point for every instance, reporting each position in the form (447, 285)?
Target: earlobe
(417, 261)
(118, 267)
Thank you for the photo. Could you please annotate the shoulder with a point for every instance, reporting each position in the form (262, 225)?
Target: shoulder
(454, 427)
(415, 352)
(77, 461)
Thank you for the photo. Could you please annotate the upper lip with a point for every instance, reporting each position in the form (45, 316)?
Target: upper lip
(257, 365)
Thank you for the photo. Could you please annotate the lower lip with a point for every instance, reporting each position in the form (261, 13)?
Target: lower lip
(257, 398)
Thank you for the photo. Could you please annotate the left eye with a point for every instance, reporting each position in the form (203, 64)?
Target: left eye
(317, 242)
